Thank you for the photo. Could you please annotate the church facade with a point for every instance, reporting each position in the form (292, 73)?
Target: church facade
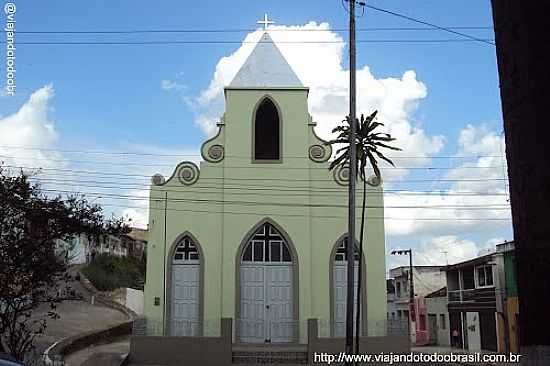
(256, 233)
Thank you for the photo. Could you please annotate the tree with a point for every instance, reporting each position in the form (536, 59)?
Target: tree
(521, 35)
(367, 142)
(33, 274)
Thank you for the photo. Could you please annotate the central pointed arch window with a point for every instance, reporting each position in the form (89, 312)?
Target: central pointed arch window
(267, 245)
(267, 131)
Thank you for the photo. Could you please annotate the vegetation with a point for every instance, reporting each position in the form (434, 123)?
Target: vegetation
(108, 273)
(33, 278)
(368, 144)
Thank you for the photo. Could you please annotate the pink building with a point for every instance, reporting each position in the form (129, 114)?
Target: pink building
(420, 333)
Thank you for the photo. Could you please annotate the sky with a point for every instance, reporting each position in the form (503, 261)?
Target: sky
(80, 108)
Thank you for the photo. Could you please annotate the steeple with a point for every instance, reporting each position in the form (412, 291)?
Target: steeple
(265, 67)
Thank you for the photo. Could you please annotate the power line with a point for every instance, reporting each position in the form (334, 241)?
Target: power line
(207, 42)
(244, 30)
(104, 152)
(303, 215)
(282, 204)
(310, 216)
(491, 42)
(246, 179)
(239, 167)
(263, 190)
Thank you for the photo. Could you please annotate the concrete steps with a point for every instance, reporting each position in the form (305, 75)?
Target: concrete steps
(287, 354)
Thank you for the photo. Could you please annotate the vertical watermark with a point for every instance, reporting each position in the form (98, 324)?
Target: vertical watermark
(9, 28)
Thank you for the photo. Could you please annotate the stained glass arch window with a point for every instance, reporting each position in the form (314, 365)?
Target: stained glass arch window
(266, 245)
(186, 252)
(341, 256)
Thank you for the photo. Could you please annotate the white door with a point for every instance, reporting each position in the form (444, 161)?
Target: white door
(266, 289)
(185, 291)
(473, 331)
(253, 305)
(266, 304)
(340, 277)
(279, 303)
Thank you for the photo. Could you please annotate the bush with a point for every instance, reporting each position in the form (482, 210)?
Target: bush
(108, 273)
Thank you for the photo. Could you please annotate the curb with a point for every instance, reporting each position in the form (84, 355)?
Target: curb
(80, 341)
(100, 297)
(77, 342)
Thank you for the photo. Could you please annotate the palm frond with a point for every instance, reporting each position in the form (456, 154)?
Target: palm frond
(367, 141)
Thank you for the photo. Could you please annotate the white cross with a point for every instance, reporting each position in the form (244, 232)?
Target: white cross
(265, 22)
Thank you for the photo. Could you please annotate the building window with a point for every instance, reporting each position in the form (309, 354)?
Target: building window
(267, 245)
(484, 276)
(468, 279)
(442, 323)
(266, 132)
(341, 252)
(186, 251)
(398, 290)
(399, 314)
(422, 322)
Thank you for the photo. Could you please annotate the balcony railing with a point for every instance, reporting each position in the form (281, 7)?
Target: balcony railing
(461, 295)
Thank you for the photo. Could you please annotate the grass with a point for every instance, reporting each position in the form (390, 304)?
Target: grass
(108, 273)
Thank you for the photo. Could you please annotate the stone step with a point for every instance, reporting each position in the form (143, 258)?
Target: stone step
(269, 357)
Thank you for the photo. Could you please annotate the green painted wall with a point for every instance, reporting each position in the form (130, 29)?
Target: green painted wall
(221, 223)
(510, 272)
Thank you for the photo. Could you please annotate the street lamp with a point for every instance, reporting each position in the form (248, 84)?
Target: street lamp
(411, 283)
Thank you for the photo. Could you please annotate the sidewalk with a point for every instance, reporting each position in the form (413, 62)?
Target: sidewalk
(77, 317)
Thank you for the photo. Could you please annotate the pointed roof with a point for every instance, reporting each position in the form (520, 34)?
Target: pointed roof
(265, 67)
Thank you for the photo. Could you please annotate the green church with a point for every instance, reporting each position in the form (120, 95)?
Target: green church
(256, 232)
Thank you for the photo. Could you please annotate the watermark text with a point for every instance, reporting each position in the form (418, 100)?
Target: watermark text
(410, 358)
(9, 29)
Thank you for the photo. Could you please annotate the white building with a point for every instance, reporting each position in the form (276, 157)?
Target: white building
(438, 317)
(80, 250)
(426, 279)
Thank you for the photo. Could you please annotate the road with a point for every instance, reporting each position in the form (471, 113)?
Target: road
(78, 317)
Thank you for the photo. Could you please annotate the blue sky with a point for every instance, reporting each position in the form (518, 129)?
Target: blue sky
(109, 97)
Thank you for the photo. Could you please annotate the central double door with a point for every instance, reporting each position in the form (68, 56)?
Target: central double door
(267, 312)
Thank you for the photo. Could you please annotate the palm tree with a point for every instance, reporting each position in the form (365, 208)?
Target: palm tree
(367, 142)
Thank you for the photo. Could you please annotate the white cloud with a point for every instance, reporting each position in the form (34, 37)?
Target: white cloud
(30, 126)
(320, 66)
(124, 187)
(444, 249)
(474, 201)
(172, 85)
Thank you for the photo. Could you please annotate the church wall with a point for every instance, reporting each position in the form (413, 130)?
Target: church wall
(284, 192)
(202, 220)
(239, 116)
(326, 233)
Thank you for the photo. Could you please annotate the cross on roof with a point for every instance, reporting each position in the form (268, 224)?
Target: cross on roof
(265, 22)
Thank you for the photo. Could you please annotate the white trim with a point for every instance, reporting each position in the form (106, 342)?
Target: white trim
(476, 278)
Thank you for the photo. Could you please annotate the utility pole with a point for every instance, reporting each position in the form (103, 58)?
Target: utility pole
(411, 286)
(352, 174)
(412, 312)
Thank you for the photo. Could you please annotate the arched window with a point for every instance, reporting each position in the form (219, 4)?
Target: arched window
(186, 252)
(341, 252)
(266, 132)
(266, 245)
